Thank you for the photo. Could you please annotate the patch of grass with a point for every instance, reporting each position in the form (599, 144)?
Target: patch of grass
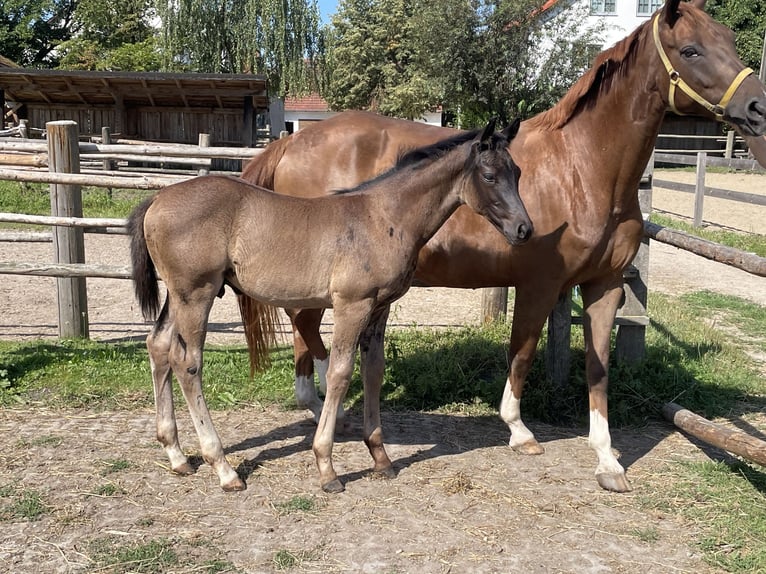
(648, 534)
(24, 505)
(153, 556)
(725, 504)
(34, 199)
(298, 503)
(218, 566)
(116, 465)
(287, 559)
(748, 318)
(750, 242)
(109, 489)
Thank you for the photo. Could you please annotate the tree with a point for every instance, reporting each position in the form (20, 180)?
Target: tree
(112, 36)
(278, 38)
(476, 58)
(31, 30)
(748, 20)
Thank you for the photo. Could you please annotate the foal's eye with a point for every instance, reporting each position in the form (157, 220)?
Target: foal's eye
(689, 52)
(488, 177)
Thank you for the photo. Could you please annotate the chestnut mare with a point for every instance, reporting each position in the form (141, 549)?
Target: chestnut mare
(354, 251)
(581, 163)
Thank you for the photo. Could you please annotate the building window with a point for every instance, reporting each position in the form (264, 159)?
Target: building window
(603, 6)
(648, 7)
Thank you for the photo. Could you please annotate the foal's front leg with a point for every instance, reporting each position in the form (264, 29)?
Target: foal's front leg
(372, 367)
(350, 318)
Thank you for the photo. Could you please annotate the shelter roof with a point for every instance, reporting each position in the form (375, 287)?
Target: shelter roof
(155, 89)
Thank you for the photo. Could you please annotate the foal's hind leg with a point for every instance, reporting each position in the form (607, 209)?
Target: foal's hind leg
(372, 367)
(158, 345)
(190, 314)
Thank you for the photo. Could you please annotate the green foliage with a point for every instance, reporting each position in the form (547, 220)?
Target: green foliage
(480, 59)
(31, 30)
(748, 21)
(113, 36)
(280, 39)
(298, 504)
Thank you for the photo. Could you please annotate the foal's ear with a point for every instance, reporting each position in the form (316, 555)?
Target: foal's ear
(510, 131)
(488, 131)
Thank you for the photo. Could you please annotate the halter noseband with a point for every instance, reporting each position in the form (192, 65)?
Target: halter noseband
(675, 80)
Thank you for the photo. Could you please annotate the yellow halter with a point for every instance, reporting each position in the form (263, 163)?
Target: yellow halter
(675, 80)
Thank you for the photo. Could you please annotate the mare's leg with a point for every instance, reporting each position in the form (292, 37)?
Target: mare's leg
(310, 356)
(351, 317)
(530, 311)
(372, 367)
(600, 302)
(190, 315)
(158, 345)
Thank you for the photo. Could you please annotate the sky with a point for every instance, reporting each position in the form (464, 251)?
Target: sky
(326, 9)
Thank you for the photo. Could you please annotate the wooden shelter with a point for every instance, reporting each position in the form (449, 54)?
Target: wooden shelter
(149, 106)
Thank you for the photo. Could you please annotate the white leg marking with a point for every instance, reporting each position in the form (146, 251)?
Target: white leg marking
(306, 395)
(510, 412)
(320, 366)
(600, 441)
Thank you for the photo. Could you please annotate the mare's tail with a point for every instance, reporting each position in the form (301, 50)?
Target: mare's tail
(260, 321)
(260, 169)
(144, 274)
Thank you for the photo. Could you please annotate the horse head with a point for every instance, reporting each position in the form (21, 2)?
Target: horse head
(704, 70)
(493, 191)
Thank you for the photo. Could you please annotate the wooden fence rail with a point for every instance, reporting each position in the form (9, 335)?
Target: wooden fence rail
(631, 321)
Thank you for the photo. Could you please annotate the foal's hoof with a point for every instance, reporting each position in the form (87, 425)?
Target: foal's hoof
(184, 470)
(234, 485)
(529, 447)
(613, 481)
(333, 487)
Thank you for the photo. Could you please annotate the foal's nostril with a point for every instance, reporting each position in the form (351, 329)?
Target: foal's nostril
(523, 232)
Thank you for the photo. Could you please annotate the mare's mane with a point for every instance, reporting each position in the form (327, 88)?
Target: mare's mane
(608, 66)
(415, 157)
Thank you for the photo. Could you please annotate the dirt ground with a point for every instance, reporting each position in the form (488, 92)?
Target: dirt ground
(462, 502)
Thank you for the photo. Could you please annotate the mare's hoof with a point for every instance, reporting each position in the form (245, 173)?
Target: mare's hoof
(234, 486)
(184, 470)
(387, 473)
(613, 481)
(530, 447)
(334, 487)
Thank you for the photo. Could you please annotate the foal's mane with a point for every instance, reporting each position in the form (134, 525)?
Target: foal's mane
(415, 157)
(608, 66)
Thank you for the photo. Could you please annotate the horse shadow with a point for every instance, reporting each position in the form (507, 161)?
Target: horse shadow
(418, 394)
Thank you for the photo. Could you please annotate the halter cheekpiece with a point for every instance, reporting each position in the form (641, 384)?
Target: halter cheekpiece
(676, 81)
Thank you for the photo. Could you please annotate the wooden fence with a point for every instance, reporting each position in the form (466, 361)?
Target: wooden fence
(64, 153)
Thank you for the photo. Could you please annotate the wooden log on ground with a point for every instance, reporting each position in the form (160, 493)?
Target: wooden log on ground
(749, 262)
(730, 440)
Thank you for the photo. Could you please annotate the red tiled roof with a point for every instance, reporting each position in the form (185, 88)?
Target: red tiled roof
(310, 103)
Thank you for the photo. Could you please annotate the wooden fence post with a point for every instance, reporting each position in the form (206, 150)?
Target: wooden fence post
(68, 243)
(699, 190)
(558, 349)
(632, 319)
(204, 141)
(494, 304)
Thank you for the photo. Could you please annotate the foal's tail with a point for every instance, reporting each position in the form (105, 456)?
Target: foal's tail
(260, 322)
(144, 274)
